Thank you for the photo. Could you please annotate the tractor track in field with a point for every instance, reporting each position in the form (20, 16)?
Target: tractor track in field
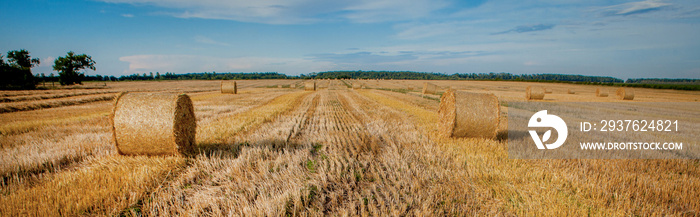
(336, 152)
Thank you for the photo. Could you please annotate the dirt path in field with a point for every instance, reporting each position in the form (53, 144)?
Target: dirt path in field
(336, 153)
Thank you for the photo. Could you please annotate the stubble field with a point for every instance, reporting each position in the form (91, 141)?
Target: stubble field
(274, 151)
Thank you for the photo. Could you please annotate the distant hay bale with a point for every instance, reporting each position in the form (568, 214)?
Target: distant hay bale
(153, 124)
(229, 87)
(293, 86)
(429, 88)
(534, 92)
(279, 86)
(356, 86)
(601, 93)
(570, 91)
(625, 93)
(411, 88)
(310, 85)
(466, 114)
(547, 90)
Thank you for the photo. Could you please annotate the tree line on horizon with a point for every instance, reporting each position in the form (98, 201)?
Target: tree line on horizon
(657, 83)
(15, 73)
(403, 75)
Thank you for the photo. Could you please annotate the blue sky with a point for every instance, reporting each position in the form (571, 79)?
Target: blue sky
(624, 39)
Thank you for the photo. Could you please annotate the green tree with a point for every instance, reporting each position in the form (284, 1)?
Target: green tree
(69, 67)
(16, 73)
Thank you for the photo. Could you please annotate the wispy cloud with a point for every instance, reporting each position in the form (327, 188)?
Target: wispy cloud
(632, 8)
(393, 57)
(206, 40)
(421, 31)
(531, 63)
(371, 11)
(362, 58)
(296, 12)
(530, 28)
(194, 63)
(128, 15)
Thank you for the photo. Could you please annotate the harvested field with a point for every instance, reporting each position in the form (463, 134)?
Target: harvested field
(339, 150)
(51, 103)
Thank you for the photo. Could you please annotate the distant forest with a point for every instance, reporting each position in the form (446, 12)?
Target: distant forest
(659, 83)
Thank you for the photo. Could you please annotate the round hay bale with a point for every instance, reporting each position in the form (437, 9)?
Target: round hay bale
(153, 124)
(229, 87)
(547, 90)
(534, 93)
(625, 93)
(279, 86)
(465, 114)
(601, 93)
(310, 85)
(293, 86)
(356, 86)
(570, 91)
(429, 88)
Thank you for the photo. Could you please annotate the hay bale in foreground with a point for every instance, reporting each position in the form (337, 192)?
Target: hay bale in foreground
(534, 92)
(570, 91)
(153, 124)
(229, 87)
(310, 85)
(601, 93)
(429, 88)
(547, 90)
(625, 93)
(465, 114)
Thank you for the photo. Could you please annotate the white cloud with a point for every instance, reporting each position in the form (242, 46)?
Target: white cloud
(128, 15)
(295, 11)
(47, 62)
(193, 63)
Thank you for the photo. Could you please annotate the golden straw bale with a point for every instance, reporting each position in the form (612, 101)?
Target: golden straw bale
(570, 91)
(356, 86)
(279, 86)
(466, 114)
(310, 85)
(534, 92)
(625, 93)
(229, 87)
(293, 86)
(429, 88)
(601, 93)
(153, 124)
(547, 90)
